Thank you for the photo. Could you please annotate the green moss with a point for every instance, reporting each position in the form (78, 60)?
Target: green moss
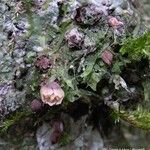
(65, 139)
(139, 118)
(146, 85)
(13, 119)
(138, 47)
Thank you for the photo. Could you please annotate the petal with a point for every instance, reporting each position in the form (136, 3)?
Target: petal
(59, 92)
(59, 102)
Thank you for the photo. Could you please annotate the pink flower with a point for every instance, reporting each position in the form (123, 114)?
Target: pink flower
(113, 22)
(107, 57)
(51, 93)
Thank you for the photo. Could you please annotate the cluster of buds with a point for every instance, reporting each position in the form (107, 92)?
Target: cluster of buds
(51, 93)
(43, 63)
(88, 14)
(74, 38)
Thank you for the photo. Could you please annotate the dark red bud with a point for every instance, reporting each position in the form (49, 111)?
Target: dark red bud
(43, 63)
(55, 137)
(36, 105)
(58, 129)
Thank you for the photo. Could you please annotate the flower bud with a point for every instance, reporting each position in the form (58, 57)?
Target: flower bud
(58, 128)
(52, 93)
(74, 38)
(43, 63)
(113, 22)
(107, 57)
(36, 105)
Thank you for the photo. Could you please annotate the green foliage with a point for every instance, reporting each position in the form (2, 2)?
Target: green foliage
(115, 116)
(117, 66)
(13, 120)
(93, 71)
(91, 76)
(88, 75)
(65, 139)
(137, 48)
(71, 90)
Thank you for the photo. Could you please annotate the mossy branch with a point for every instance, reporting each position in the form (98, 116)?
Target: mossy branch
(13, 120)
(138, 47)
(139, 118)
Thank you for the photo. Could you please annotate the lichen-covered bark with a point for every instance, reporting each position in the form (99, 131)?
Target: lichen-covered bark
(74, 44)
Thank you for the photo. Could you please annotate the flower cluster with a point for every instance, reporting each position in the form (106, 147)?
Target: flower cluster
(74, 38)
(88, 14)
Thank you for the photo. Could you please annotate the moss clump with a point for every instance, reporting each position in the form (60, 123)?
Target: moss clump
(12, 120)
(139, 118)
(138, 47)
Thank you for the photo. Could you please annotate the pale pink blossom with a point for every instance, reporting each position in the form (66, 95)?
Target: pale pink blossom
(51, 93)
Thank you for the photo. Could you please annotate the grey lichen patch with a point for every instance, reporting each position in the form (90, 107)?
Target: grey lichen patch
(10, 98)
(6, 67)
(12, 54)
